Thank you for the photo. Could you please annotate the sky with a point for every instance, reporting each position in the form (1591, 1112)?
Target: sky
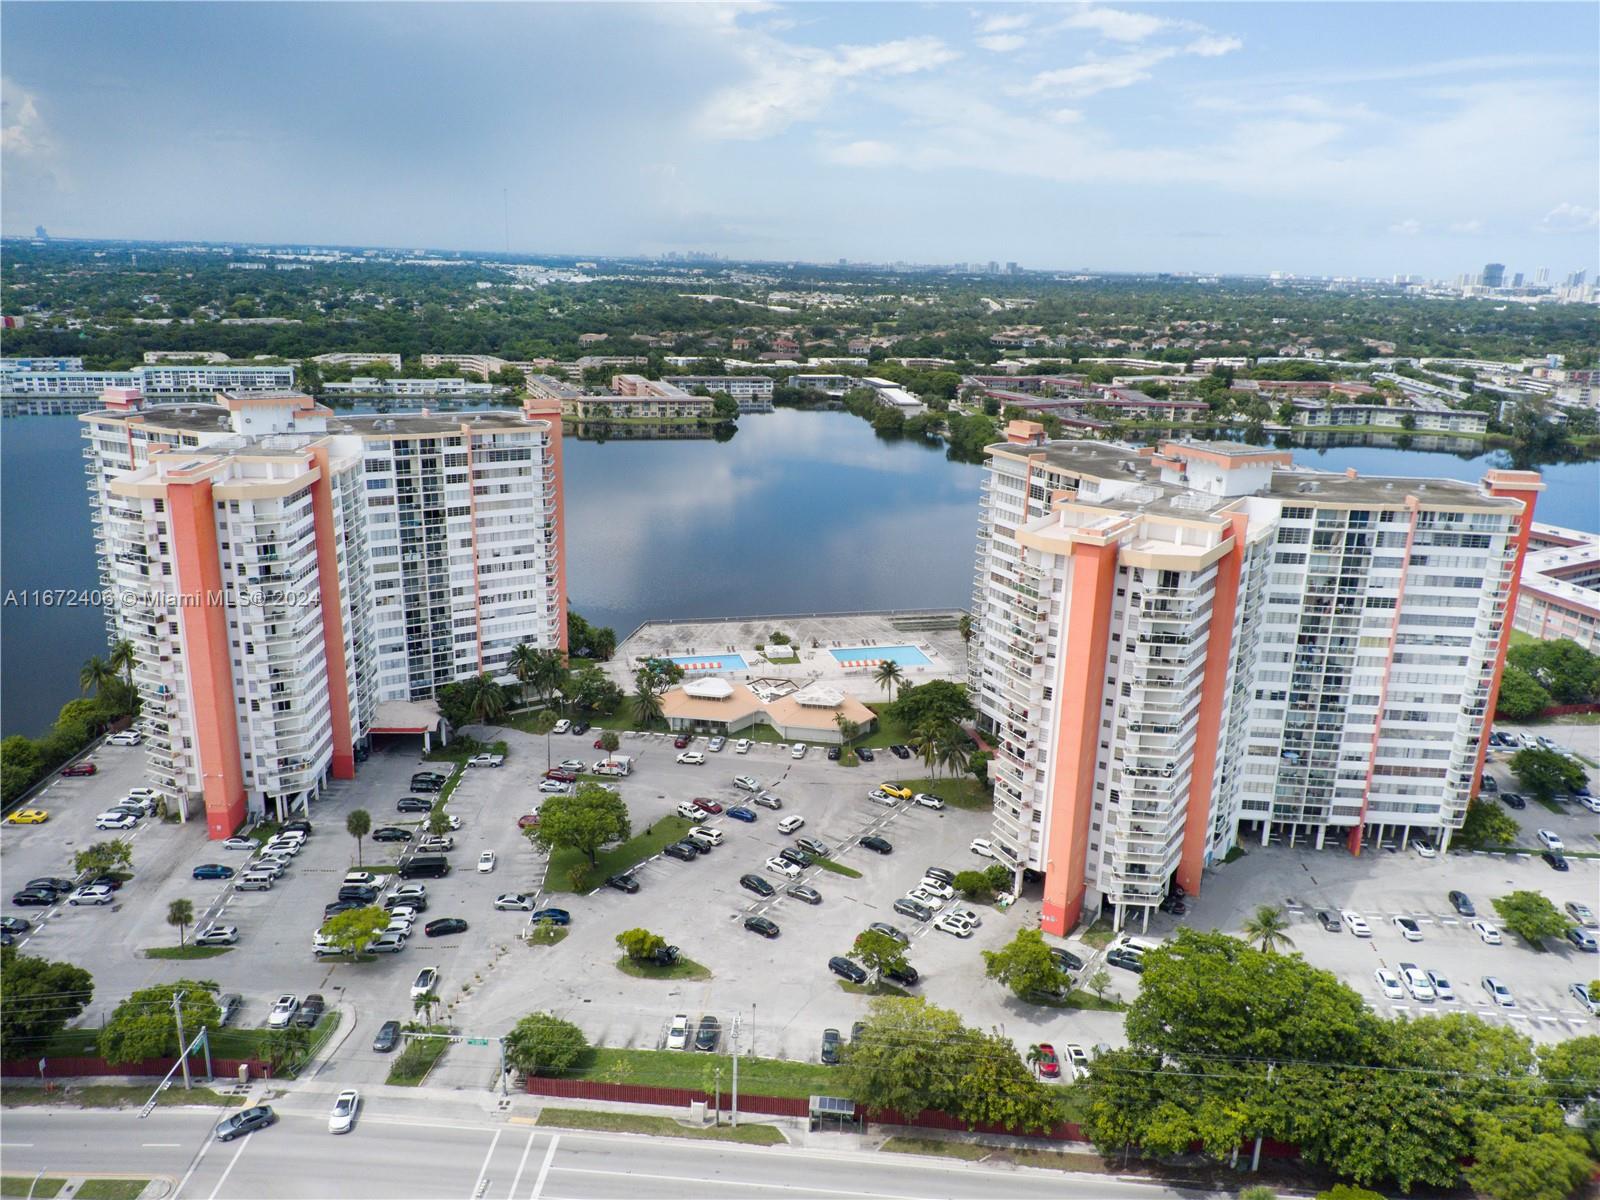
(1367, 138)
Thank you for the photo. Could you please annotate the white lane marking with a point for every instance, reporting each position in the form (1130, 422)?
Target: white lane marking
(521, 1163)
(226, 1171)
(16, 1145)
(544, 1169)
(739, 1183)
(160, 1145)
(204, 1150)
(477, 1186)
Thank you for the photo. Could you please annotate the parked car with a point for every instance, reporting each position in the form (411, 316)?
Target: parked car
(708, 1034)
(681, 741)
(1356, 924)
(1499, 993)
(1557, 861)
(928, 800)
(790, 823)
(228, 1006)
(1328, 920)
(127, 737)
(802, 892)
(390, 833)
(310, 1011)
(217, 935)
(345, 1106)
(1409, 929)
(1581, 993)
(1066, 959)
(740, 813)
(444, 927)
(33, 897)
(876, 844)
(1513, 800)
(1417, 982)
(889, 931)
(427, 981)
(28, 816)
(514, 902)
(561, 726)
(555, 916)
(1486, 932)
(1462, 904)
(388, 1037)
(1582, 939)
(682, 851)
(283, 1010)
(1441, 985)
(746, 783)
(413, 804)
(830, 1047)
(213, 871)
(766, 928)
(865, 754)
(707, 805)
(247, 1121)
(678, 1032)
(952, 924)
(879, 796)
(1582, 914)
(1127, 959)
(1550, 839)
(115, 820)
(982, 847)
(78, 770)
(623, 883)
(797, 856)
(554, 787)
(239, 843)
(487, 760)
(1389, 983)
(94, 893)
(768, 800)
(716, 744)
(1049, 1065)
(692, 758)
(906, 906)
(843, 967)
(486, 862)
(833, 754)
(51, 883)
(742, 746)
(782, 866)
(813, 846)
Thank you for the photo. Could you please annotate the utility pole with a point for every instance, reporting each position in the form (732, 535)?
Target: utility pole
(1255, 1154)
(735, 1102)
(183, 1046)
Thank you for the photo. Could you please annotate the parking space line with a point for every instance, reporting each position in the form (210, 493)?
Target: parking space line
(544, 1169)
(477, 1186)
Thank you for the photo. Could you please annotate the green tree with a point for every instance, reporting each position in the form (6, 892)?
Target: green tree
(486, 699)
(610, 743)
(1562, 667)
(1531, 917)
(122, 657)
(1268, 929)
(1546, 773)
(1099, 982)
(887, 674)
(543, 724)
(952, 751)
(95, 674)
(1571, 1069)
(849, 730)
(589, 689)
(978, 768)
(724, 407)
(939, 701)
(1025, 965)
(144, 1026)
(1486, 825)
(102, 858)
(356, 928)
(997, 1088)
(180, 915)
(964, 627)
(424, 1005)
(524, 664)
(1521, 697)
(285, 1048)
(38, 998)
(358, 824)
(974, 885)
(908, 1057)
(543, 1044)
(1534, 1155)
(641, 945)
(878, 952)
(588, 821)
(646, 700)
(438, 820)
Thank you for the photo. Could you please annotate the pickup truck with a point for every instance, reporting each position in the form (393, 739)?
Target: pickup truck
(487, 760)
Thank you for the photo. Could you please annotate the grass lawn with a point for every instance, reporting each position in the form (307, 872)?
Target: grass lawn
(111, 1189)
(113, 1096)
(975, 1151)
(462, 749)
(875, 989)
(547, 934)
(965, 793)
(416, 1060)
(1099, 935)
(1552, 805)
(674, 1068)
(185, 952)
(580, 1118)
(1080, 998)
(827, 864)
(558, 878)
(888, 733)
(23, 1185)
(684, 968)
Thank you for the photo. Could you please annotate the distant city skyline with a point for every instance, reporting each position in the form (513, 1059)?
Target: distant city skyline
(1355, 140)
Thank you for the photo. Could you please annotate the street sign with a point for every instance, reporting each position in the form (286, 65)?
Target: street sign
(477, 1041)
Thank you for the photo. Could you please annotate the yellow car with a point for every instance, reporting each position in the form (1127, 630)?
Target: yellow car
(899, 793)
(29, 816)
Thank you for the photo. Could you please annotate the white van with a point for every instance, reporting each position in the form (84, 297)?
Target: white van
(616, 766)
(685, 809)
(255, 881)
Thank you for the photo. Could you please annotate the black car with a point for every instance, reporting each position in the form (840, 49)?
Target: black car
(296, 826)
(701, 843)
(798, 857)
(833, 754)
(1557, 860)
(388, 1037)
(1462, 904)
(1330, 920)
(15, 924)
(427, 783)
(900, 751)
(248, 1121)
(413, 804)
(362, 893)
(877, 844)
(1066, 959)
(803, 892)
(840, 965)
(766, 928)
(580, 727)
(339, 906)
(943, 874)
(683, 851)
(708, 1034)
(915, 909)
(663, 956)
(50, 883)
(856, 1031)
(445, 926)
(1512, 800)
(390, 833)
(311, 1010)
(864, 754)
(229, 1005)
(756, 884)
(1173, 905)
(889, 931)
(34, 897)
(623, 883)
(830, 1047)
(907, 975)
(114, 882)
(1128, 960)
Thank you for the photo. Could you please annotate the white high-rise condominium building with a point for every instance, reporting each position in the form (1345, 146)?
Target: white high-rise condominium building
(281, 573)
(1177, 648)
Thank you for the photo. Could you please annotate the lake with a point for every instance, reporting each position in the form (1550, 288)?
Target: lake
(800, 512)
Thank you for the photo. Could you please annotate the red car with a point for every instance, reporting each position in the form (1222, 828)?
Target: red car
(528, 821)
(597, 744)
(79, 768)
(681, 741)
(1049, 1064)
(561, 776)
(707, 806)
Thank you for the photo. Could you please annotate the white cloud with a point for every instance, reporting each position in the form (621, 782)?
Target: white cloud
(1003, 22)
(22, 129)
(1116, 24)
(863, 153)
(1003, 43)
(1213, 46)
(1101, 75)
(1569, 218)
(1469, 227)
(1410, 227)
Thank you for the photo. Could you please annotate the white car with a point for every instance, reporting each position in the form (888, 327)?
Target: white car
(716, 743)
(950, 923)
(405, 911)
(573, 764)
(1417, 982)
(746, 783)
(1409, 929)
(239, 843)
(678, 1035)
(217, 935)
(283, 1011)
(427, 980)
(94, 893)
(1581, 993)
(514, 902)
(938, 887)
(782, 866)
(967, 915)
(1389, 983)
(879, 796)
(344, 1111)
(706, 834)
(1551, 839)
(143, 793)
(742, 746)
(554, 787)
(1077, 1057)
(115, 820)
(400, 922)
(283, 846)
(790, 823)
(561, 726)
(1486, 932)
(692, 758)
(1356, 924)
(387, 943)
(487, 760)
(486, 862)
(798, 751)
(982, 847)
(409, 889)
(126, 738)
(359, 878)
(928, 800)
(1498, 992)
(1592, 803)
(923, 896)
(1441, 986)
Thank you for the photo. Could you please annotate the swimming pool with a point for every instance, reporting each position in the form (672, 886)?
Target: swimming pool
(866, 656)
(692, 663)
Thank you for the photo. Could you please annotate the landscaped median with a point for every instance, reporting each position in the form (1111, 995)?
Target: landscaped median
(621, 857)
(957, 793)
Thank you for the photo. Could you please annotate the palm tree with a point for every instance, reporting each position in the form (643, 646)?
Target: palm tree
(96, 673)
(888, 674)
(121, 659)
(524, 664)
(964, 627)
(1035, 1056)
(486, 699)
(647, 706)
(358, 824)
(925, 741)
(180, 915)
(425, 1003)
(543, 722)
(1268, 928)
(549, 674)
(953, 752)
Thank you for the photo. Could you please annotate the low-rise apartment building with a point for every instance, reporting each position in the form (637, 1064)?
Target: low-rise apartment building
(153, 381)
(452, 387)
(1560, 592)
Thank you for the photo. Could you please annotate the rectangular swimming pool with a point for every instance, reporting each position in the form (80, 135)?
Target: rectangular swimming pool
(866, 656)
(711, 662)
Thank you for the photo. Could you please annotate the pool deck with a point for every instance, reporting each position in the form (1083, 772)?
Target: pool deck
(815, 635)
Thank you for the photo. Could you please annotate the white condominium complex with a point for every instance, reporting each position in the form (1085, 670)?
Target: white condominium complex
(282, 572)
(1176, 648)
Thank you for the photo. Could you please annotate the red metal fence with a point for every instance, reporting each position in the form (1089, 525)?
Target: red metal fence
(78, 1066)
